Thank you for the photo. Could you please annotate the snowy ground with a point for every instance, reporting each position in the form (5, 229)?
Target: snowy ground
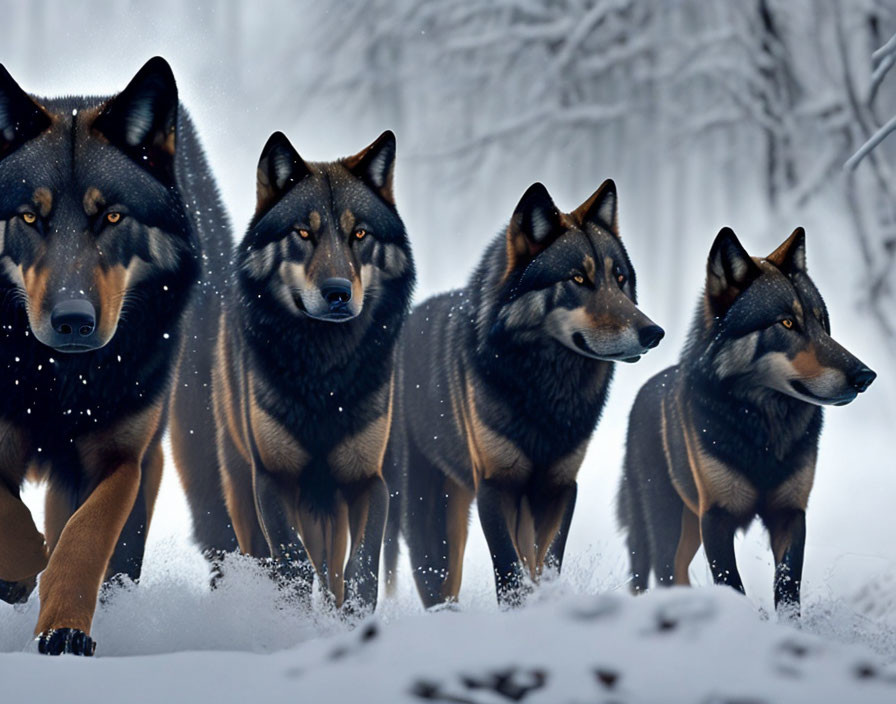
(582, 639)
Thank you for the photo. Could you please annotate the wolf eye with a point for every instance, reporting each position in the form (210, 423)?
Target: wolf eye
(360, 233)
(113, 217)
(579, 279)
(304, 234)
(787, 323)
(29, 218)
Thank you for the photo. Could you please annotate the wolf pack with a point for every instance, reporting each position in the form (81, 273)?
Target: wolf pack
(315, 420)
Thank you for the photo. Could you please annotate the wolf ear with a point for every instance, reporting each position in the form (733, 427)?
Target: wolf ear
(729, 271)
(21, 118)
(142, 119)
(375, 165)
(279, 169)
(601, 209)
(790, 257)
(534, 225)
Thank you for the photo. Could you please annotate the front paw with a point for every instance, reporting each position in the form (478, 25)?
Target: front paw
(17, 592)
(57, 641)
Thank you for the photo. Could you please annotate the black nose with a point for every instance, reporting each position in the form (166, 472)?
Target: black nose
(336, 292)
(862, 379)
(73, 320)
(650, 336)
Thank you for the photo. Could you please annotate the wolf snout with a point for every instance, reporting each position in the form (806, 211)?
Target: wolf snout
(861, 379)
(73, 324)
(650, 336)
(336, 292)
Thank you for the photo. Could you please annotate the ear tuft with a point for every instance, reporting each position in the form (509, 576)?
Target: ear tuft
(729, 270)
(21, 119)
(601, 209)
(279, 168)
(375, 165)
(790, 257)
(142, 119)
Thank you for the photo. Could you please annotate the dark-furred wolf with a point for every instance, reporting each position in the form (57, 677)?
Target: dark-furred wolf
(500, 386)
(106, 210)
(303, 381)
(731, 431)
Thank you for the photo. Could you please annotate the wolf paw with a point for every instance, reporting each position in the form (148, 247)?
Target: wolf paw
(57, 641)
(17, 592)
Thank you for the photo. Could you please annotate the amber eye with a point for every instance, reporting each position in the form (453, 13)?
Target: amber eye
(113, 217)
(360, 233)
(304, 234)
(787, 323)
(579, 279)
(29, 218)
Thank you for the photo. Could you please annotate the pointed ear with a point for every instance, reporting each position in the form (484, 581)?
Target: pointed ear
(142, 119)
(790, 257)
(601, 209)
(375, 165)
(534, 225)
(279, 169)
(729, 271)
(21, 119)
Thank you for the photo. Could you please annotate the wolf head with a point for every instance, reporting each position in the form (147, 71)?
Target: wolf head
(88, 212)
(569, 277)
(768, 326)
(325, 236)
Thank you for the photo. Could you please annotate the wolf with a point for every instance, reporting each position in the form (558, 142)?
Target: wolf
(500, 386)
(304, 368)
(731, 431)
(106, 207)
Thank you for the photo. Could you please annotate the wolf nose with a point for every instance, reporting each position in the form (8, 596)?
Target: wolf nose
(336, 292)
(862, 379)
(650, 336)
(73, 319)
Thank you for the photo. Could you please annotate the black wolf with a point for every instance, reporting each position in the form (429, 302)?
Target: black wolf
(501, 385)
(303, 381)
(106, 206)
(732, 431)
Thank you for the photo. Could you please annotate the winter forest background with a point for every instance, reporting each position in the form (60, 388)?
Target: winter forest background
(705, 112)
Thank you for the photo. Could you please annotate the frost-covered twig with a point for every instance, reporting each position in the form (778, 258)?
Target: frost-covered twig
(874, 140)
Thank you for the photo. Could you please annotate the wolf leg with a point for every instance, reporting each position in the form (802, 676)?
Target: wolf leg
(688, 544)
(499, 507)
(71, 582)
(22, 551)
(552, 527)
(717, 527)
(128, 556)
(367, 507)
(787, 529)
(436, 513)
(287, 552)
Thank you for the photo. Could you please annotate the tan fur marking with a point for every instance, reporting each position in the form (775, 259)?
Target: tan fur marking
(314, 220)
(277, 447)
(688, 544)
(361, 456)
(794, 492)
(111, 286)
(457, 525)
(717, 485)
(43, 199)
(93, 201)
(565, 470)
(347, 221)
(497, 456)
(57, 510)
(806, 363)
(36, 280)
